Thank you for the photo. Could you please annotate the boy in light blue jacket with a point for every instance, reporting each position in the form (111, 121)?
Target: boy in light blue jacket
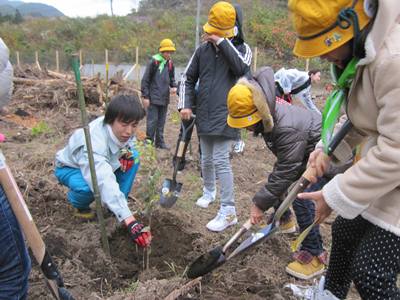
(116, 162)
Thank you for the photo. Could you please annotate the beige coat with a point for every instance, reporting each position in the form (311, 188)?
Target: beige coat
(371, 187)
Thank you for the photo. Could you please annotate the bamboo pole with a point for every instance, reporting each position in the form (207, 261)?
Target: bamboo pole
(138, 66)
(107, 70)
(255, 59)
(85, 124)
(18, 61)
(57, 62)
(37, 60)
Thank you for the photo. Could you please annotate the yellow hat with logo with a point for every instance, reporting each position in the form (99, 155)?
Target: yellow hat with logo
(241, 109)
(221, 20)
(324, 25)
(167, 45)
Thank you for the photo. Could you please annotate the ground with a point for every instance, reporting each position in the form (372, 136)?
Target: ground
(39, 122)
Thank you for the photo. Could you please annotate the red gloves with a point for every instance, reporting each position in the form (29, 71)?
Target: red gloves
(138, 234)
(126, 160)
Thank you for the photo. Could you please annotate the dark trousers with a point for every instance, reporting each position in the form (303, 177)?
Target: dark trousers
(15, 263)
(305, 214)
(156, 116)
(365, 254)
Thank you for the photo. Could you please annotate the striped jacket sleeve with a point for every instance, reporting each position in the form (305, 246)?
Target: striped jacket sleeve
(239, 61)
(188, 83)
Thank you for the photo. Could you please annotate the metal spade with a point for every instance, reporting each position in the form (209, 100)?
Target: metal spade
(216, 257)
(171, 189)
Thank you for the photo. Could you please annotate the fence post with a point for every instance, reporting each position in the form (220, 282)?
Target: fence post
(138, 66)
(18, 62)
(37, 61)
(80, 60)
(307, 64)
(255, 59)
(57, 62)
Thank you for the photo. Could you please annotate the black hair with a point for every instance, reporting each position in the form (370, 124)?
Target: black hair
(258, 129)
(124, 108)
(313, 72)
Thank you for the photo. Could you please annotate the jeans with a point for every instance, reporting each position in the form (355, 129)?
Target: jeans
(80, 194)
(215, 163)
(305, 213)
(15, 263)
(156, 117)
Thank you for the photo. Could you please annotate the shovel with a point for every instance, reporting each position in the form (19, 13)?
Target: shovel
(299, 187)
(216, 257)
(171, 188)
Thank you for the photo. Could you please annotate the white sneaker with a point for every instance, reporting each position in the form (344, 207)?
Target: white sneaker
(238, 147)
(225, 217)
(316, 292)
(207, 198)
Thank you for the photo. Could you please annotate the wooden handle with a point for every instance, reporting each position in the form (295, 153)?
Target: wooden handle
(245, 227)
(181, 147)
(309, 173)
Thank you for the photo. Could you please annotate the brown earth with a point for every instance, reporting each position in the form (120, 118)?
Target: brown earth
(179, 233)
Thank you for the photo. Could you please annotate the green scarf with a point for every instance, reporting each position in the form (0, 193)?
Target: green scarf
(335, 101)
(162, 61)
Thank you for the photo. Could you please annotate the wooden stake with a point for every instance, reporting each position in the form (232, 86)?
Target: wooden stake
(255, 59)
(57, 62)
(307, 64)
(138, 66)
(80, 60)
(18, 62)
(107, 70)
(37, 61)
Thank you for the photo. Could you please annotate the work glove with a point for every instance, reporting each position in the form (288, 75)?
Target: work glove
(127, 160)
(139, 234)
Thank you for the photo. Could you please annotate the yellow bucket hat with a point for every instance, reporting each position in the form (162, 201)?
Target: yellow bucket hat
(324, 25)
(167, 45)
(221, 20)
(241, 109)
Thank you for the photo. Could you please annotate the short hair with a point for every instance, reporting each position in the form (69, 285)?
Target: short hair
(313, 72)
(124, 108)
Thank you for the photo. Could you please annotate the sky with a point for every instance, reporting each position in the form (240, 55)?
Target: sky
(90, 8)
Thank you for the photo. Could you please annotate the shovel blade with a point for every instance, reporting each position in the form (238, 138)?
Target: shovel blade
(206, 263)
(255, 238)
(169, 193)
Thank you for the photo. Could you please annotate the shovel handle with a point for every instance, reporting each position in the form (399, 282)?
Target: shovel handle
(245, 227)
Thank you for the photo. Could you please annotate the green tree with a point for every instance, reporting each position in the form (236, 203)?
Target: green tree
(18, 17)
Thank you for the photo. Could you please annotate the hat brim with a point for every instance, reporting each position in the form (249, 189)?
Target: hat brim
(169, 49)
(227, 33)
(327, 42)
(244, 122)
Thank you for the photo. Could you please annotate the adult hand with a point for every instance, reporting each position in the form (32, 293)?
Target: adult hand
(186, 114)
(320, 162)
(126, 159)
(146, 103)
(138, 234)
(256, 214)
(322, 209)
(210, 38)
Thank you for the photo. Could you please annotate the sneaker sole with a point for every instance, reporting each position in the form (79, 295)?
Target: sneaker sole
(203, 206)
(234, 222)
(303, 276)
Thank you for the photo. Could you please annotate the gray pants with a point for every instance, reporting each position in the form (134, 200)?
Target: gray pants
(215, 163)
(156, 116)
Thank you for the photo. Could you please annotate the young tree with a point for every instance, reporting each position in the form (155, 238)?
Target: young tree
(18, 17)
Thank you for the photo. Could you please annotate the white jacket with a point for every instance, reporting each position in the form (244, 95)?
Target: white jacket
(6, 75)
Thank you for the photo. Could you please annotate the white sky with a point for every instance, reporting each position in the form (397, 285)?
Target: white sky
(90, 8)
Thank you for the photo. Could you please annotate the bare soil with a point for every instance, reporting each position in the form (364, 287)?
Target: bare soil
(179, 233)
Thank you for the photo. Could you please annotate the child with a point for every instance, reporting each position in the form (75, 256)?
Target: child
(291, 133)
(116, 161)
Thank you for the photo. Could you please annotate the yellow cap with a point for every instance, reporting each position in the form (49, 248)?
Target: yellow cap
(221, 20)
(316, 24)
(167, 45)
(241, 109)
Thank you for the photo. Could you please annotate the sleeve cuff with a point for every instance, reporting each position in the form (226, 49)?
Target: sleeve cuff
(219, 41)
(339, 202)
(122, 213)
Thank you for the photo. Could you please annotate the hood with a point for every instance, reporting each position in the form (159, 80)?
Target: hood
(262, 87)
(387, 16)
(239, 37)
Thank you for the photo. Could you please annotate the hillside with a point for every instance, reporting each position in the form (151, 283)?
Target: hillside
(28, 9)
